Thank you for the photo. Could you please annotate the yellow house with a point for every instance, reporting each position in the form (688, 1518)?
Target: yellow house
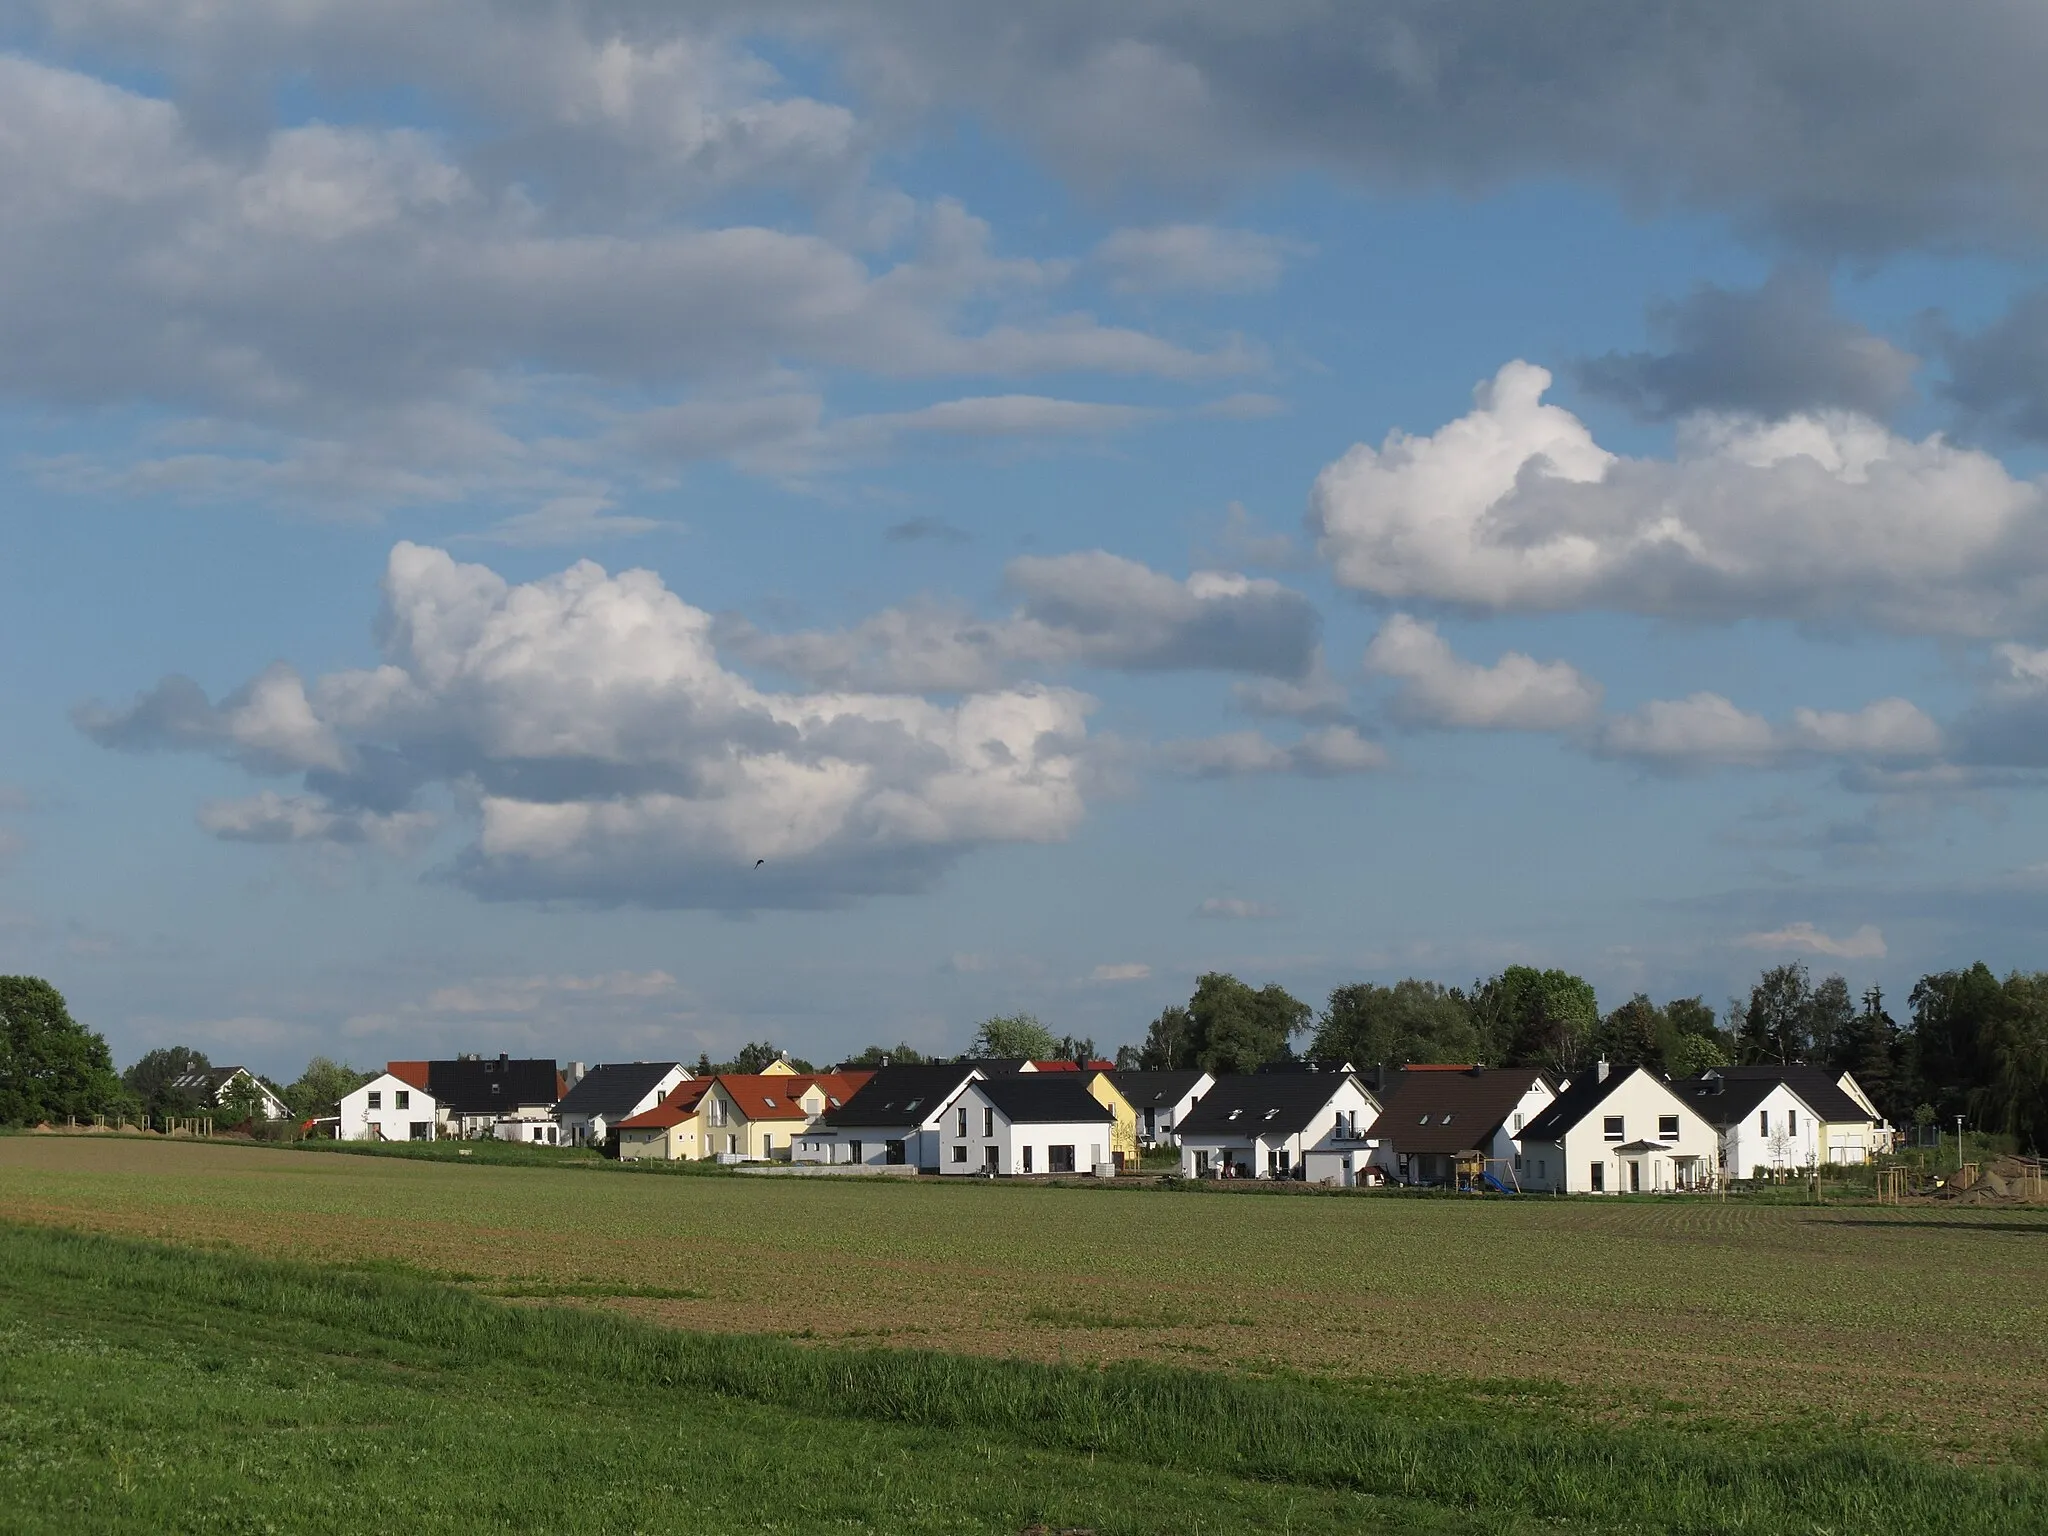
(668, 1131)
(757, 1116)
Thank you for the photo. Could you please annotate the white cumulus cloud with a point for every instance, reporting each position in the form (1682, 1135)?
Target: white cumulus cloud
(1866, 943)
(1706, 729)
(1516, 693)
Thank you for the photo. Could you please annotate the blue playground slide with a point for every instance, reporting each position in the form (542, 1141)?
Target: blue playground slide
(1498, 1187)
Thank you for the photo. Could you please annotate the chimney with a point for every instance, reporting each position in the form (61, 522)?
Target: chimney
(1477, 1069)
(1602, 1069)
(575, 1073)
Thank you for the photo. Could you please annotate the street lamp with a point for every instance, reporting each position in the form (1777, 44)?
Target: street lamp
(1959, 1143)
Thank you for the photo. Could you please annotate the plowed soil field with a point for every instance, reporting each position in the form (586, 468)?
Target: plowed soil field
(1933, 1323)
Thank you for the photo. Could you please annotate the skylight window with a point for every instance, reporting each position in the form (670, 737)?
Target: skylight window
(1446, 1119)
(1423, 1121)
(1271, 1113)
(1235, 1113)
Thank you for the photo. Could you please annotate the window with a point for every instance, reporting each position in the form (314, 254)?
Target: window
(988, 1122)
(376, 1101)
(1763, 1121)
(1445, 1121)
(1272, 1113)
(422, 1130)
(1059, 1159)
(961, 1128)
(1599, 1184)
(959, 1151)
(1791, 1122)
(718, 1111)
(989, 1160)
(1518, 1120)
(1612, 1127)
(892, 1152)
(1542, 1168)
(1667, 1127)
(401, 1100)
(497, 1087)
(1151, 1123)
(732, 1146)
(1518, 1165)
(768, 1143)
(1027, 1159)
(1235, 1113)
(1423, 1121)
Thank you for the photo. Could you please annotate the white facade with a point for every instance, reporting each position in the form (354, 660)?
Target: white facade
(913, 1145)
(1641, 1138)
(1779, 1133)
(537, 1130)
(1246, 1150)
(1157, 1123)
(978, 1138)
(388, 1108)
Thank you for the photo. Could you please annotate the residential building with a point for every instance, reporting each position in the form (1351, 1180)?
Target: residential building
(1301, 1124)
(1027, 1123)
(894, 1119)
(390, 1107)
(216, 1086)
(760, 1117)
(671, 1130)
(474, 1093)
(1100, 1077)
(610, 1092)
(1159, 1100)
(1431, 1114)
(1851, 1129)
(1764, 1125)
(1618, 1130)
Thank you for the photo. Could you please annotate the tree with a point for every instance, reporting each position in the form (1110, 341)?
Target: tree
(156, 1070)
(320, 1089)
(1777, 1022)
(1013, 1037)
(239, 1101)
(50, 1065)
(1079, 1049)
(1868, 1047)
(1956, 1022)
(2014, 1098)
(1239, 1030)
(1635, 1035)
(1690, 1055)
(1830, 1015)
(1411, 1021)
(1170, 1043)
(754, 1057)
(1538, 1018)
(885, 1055)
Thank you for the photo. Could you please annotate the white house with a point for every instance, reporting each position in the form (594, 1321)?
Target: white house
(1850, 1127)
(1284, 1124)
(1619, 1130)
(389, 1108)
(1026, 1123)
(894, 1119)
(1431, 1114)
(214, 1086)
(1765, 1126)
(599, 1099)
(1162, 1100)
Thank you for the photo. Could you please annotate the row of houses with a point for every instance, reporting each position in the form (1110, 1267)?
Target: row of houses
(1609, 1130)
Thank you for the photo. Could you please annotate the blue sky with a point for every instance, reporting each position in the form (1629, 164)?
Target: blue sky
(1076, 499)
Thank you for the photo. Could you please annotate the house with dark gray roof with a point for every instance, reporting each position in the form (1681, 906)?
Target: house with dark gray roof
(893, 1120)
(1162, 1100)
(1027, 1123)
(1306, 1124)
(476, 1093)
(1616, 1131)
(1430, 1115)
(1847, 1126)
(611, 1092)
(216, 1087)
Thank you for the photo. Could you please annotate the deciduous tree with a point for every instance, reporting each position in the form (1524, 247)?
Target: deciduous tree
(50, 1065)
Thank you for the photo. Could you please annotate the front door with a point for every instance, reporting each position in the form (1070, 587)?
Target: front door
(892, 1152)
(1201, 1165)
(989, 1160)
(1635, 1176)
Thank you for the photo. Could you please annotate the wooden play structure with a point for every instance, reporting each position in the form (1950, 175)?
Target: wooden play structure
(1475, 1175)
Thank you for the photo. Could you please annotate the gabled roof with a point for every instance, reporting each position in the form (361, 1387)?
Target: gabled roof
(1437, 1111)
(901, 1096)
(680, 1105)
(1045, 1098)
(1722, 1102)
(615, 1088)
(500, 1083)
(1585, 1094)
(1264, 1103)
(1816, 1086)
(1157, 1090)
(1074, 1066)
(208, 1081)
(840, 1086)
(413, 1072)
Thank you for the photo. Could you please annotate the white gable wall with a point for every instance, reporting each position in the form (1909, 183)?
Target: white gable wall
(1343, 1124)
(1781, 1132)
(388, 1108)
(1648, 1111)
(989, 1131)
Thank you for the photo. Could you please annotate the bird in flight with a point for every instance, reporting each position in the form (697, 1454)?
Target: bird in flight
(759, 862)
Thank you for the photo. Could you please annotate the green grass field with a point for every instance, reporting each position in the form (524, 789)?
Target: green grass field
(1357, 1363)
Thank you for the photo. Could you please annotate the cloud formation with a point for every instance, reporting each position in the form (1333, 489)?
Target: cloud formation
(1827, 520)
(1774, 351)
(1866, 943)
(1086, 609)
(606, 754)
(1197, 257)
(1516, 693)
(1706, 730)
(1327, 752)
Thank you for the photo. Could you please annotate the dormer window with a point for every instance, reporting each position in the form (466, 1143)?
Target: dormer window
(1446, 1119)
(1235, 1113)
(1423, 1121)
(1272, 1113)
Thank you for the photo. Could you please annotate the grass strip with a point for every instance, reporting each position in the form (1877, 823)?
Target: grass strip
(1288, 1431)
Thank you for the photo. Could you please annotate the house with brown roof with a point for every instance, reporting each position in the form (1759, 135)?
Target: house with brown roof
(1431, 1114)
(758, 1117)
